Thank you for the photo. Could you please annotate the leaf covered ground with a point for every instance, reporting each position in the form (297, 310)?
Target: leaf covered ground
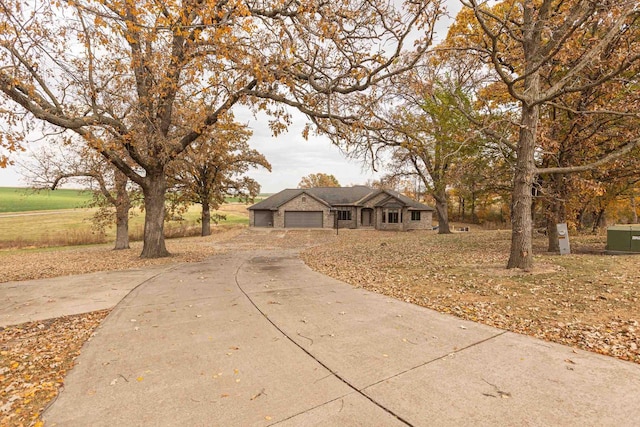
(16, 265)
(588, 300)
(35, 359)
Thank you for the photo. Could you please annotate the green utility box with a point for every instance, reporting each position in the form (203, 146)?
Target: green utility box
(623, 239)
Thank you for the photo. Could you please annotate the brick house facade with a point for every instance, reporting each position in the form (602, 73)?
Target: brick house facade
(343, 207)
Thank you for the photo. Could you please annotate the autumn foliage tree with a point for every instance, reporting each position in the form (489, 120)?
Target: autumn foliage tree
(543, 50)
(318, 180)
(143, 81)
(214, 168)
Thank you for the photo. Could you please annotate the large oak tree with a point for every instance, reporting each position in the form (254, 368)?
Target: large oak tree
(543, 50)
(141, 81)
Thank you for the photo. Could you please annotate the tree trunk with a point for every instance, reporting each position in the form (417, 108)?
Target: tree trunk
(634, 209)
(123, 204)
(600, 220)
(556, 211)
(443, 215)
(557, 215)
(154, 193)
(552, 235)
(206, 218)
(521, 255)
(474, 217)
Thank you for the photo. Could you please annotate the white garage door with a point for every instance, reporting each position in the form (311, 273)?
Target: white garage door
(294, 219)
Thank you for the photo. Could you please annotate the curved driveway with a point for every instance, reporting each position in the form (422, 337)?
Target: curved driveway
(255, 338)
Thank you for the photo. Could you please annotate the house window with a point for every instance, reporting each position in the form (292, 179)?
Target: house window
(304, 199)
(344, 215)
(393, 216)
(415, 215)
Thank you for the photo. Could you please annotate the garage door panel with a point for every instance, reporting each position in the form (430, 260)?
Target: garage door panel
(263, 218)
(306, 219)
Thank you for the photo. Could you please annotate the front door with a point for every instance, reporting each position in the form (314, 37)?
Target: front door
(367, 217)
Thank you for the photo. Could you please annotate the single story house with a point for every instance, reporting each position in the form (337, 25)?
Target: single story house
(343, 207)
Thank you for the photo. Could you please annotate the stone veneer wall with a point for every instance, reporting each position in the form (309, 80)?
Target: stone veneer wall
(426, 218)
(352, 223)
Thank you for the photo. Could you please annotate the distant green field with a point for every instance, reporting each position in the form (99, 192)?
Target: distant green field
(258, 198)
(60, 218)
(14, 199)
(23, 199)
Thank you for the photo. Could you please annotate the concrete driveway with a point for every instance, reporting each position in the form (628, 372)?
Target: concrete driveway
(255, 338)
(33, 300)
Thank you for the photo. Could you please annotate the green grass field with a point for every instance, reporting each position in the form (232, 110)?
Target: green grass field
(23, 199)
(57, 218)
(258, 198)
(13, 199)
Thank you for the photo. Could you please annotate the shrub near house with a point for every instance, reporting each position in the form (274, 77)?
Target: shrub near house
(345, 207)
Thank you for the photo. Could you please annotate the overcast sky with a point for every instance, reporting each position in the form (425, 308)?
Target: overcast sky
(290, 155)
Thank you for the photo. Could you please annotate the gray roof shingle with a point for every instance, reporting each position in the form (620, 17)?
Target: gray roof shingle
(335, 196)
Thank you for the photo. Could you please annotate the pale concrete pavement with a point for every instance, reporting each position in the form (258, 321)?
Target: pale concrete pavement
(32, 300)
(256, 338)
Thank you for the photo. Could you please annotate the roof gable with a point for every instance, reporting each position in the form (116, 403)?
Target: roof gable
(274, 201)
(390, 202)
(409, 202)
(401, 199)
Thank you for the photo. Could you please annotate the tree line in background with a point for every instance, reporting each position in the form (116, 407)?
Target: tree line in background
(527, 112)
(318, 180)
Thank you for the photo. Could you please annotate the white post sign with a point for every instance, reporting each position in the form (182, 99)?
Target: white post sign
(563, 239)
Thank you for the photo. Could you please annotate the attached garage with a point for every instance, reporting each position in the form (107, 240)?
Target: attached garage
(306, 219)
(262, 218)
